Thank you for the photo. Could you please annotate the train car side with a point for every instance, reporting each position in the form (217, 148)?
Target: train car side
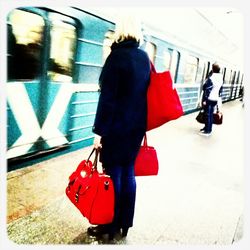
(54, 61)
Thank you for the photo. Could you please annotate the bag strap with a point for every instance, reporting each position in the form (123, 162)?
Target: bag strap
(93, 150)
(97, 151)
(152, 67)
(145, 141)
(217, 108)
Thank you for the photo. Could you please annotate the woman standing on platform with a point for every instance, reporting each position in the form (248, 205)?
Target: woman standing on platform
(211, 94)
(121, 120)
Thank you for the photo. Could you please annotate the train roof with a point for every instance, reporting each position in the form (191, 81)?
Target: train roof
(198, 29)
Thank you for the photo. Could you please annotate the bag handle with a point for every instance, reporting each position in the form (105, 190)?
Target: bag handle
(152, 67)
(218, 110)
(93, 150)
(97, 151)
(145, 141)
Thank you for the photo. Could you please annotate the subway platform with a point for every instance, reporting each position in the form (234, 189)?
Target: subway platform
(196, 199)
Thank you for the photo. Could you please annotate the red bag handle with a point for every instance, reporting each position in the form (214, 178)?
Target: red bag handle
(145, 142)
(152, 67)
(97, 151)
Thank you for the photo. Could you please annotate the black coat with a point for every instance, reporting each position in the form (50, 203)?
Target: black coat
(122, 108)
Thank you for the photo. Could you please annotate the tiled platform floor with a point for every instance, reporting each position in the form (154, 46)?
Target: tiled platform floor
(197, 198)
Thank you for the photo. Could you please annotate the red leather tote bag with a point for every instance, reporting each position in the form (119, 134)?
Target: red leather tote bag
(163, 101)
(217, 118)
(146, 162)
(92, 192)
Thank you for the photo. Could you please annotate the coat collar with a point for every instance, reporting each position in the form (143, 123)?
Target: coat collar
(128, 43)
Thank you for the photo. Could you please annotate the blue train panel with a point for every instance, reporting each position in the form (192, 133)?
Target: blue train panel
(55, 58)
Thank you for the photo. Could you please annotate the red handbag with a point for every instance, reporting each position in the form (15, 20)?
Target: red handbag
(217, 118)
(92, 192)
(146, 162)
(163, 102)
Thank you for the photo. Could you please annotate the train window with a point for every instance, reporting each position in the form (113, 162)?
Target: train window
(174, 64)
(167, 59)
(201, 71)
(227, 76)
(108, 40)
(25, 35)
(204, 77)
(191, 69)
(150, 48)
(62, 50)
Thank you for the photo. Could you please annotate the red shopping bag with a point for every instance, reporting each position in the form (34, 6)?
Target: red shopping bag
(92, 192)
(163, 102)
(146, 162)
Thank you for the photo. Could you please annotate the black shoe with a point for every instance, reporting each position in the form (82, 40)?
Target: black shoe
(111, 236)
(100, 230)
(202, 129)
(97, 230)
(124, 231)
(205, 133)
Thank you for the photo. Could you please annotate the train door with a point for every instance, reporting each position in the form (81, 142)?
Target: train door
(62, 38)
(36, 103)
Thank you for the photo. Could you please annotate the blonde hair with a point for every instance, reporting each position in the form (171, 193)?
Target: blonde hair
(128, 27)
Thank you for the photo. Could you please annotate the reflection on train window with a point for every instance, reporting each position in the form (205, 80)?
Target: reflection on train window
(191, 69)
(205, 71)
(150, 48)
(201, 71)
(107, 42)
(62, 50)
(174, 63)
(166, 59)
(25, 35)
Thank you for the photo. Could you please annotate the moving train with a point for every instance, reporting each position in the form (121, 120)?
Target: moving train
(54, 60)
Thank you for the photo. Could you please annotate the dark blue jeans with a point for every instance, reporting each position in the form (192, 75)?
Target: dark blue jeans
(209, 110)
(125, 192)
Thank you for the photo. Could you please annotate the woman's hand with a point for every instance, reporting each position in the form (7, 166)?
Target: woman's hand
(97, 142)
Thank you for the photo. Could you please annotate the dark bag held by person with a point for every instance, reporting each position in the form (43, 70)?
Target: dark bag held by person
(201, 116)
(146, 162)
(217, 117)
(92, 192)
(163, 102)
